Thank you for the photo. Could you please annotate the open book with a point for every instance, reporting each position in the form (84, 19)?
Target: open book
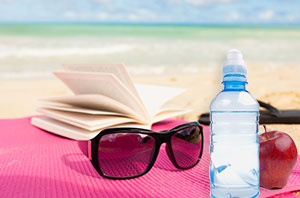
(104, 97)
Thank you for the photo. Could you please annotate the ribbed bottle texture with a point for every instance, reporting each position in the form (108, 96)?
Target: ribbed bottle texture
(234, 148)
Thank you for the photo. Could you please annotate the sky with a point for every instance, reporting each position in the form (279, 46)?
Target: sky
(152, 11)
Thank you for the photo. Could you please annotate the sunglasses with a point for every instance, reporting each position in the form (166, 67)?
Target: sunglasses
(124, 153)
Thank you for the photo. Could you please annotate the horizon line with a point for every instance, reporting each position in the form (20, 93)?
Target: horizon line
(146, 23)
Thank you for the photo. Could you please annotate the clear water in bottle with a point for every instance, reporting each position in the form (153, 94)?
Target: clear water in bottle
(234, 148)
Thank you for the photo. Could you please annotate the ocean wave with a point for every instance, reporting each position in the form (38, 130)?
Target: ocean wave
(60, 52)
(139, 70)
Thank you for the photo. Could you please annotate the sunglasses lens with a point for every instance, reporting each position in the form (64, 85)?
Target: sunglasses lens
(125, 154)
(187, 145)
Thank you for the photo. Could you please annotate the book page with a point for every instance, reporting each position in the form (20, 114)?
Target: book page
(154, 96)
(85, 121)
(63, 129)
(102, 84)
(169, 113)
(95, 102)
(118, 70)
(73, 132)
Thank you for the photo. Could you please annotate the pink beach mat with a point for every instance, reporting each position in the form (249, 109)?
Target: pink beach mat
(34, 163)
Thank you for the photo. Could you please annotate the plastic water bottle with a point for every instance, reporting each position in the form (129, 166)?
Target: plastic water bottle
(234, 148)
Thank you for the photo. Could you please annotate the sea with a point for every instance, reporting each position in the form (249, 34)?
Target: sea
(36, 50)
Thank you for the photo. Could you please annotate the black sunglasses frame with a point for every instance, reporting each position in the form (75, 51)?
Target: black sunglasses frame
(160, 138)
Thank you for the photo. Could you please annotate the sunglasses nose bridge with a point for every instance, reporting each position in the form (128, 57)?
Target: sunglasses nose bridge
(164, 137)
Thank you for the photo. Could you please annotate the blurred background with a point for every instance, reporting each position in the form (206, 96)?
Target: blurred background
(149, 37)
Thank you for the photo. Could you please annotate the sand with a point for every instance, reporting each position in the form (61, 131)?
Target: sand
(279, 86)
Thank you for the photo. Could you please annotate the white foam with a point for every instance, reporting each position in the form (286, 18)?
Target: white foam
(50, 52)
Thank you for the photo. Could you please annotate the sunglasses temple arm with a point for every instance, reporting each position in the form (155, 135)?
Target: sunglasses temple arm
(86, 148)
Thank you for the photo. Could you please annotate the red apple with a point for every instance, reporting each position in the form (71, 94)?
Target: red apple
(277, 155)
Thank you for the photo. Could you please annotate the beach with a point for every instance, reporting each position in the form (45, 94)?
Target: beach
(189, 57)
(184, 49)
